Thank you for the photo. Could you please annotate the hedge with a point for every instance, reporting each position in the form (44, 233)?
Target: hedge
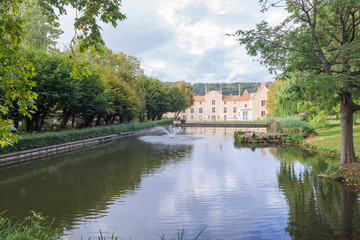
(43, 139)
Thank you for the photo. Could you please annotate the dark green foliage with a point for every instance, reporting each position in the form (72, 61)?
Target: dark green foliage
(44, 139)
(238, 133)
(227, 88)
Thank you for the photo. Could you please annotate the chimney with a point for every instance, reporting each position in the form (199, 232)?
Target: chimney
(220, 88)
(205, 89)
(239, 91)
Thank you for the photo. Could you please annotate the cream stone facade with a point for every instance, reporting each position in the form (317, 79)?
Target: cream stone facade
(215, 107)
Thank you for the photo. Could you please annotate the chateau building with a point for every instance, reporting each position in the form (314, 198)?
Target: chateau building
(215, 107)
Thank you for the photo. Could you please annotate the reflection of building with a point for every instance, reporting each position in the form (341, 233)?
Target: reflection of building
(215, 107)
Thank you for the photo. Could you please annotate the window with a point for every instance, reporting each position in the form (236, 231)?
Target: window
(213, 102)
(234, 109)
(234, 116)
(234, 102)
(200, 117)
(183, 111)
(184, 117)
(192, 117)
(245, 115)
(200, 110)
(213, 110)
(200, 103)
(263, 102)
(263, 114)
(225, 117)
(208, 116)
(225, 102)
(225, 109)
(245, 105)
(191, 110)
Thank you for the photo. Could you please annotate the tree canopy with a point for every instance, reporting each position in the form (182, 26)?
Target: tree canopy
(16, 72)
(320, 39)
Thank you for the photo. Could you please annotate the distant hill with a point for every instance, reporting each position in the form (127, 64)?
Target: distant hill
(227, 88)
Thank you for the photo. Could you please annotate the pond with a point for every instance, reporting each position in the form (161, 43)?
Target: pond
(148, 186)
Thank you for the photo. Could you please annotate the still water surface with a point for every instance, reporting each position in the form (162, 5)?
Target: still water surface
(143, 187)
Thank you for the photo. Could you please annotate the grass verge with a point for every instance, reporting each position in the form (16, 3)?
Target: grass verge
(329, 140)
(44, 139)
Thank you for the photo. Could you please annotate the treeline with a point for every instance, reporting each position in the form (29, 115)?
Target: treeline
(115, 91)
(70, 89)
(227, 88)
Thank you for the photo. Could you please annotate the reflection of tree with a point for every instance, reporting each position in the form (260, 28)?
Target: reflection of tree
(83, 183)
(319, 208)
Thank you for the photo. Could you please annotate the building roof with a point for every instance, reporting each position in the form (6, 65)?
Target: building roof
(199, 98)
(231, 98)
(245, 96)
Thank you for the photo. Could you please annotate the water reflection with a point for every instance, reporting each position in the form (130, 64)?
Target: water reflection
(137, 188)
(82, 184)
(319, 208)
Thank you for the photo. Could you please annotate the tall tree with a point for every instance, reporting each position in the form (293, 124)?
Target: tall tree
(187, 90)
(157, 99)
(320, 38)
(39, 34)
(15, 71)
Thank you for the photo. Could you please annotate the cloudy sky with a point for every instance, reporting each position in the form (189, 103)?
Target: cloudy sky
(186, 40)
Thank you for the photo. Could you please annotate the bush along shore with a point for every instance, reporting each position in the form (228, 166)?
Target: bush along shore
(290, 130)
(44, 139)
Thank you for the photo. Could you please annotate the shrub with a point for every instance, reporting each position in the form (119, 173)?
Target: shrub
(44, 139)
(290, 125)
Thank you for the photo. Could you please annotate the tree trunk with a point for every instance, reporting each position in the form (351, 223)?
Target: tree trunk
(347, 142)
(29, 125)
(65, 118)
(347, 201)
(98, 120)
(73, 121)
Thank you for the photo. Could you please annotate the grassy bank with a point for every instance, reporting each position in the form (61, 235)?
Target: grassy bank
(44, 139)
(329, 140)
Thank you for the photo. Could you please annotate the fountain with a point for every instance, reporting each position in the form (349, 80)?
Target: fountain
(171, 131)
(172, 136)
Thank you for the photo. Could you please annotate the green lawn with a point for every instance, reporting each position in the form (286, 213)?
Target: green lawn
(329, 139)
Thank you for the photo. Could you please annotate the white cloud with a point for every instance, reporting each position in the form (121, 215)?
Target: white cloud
(186, 40)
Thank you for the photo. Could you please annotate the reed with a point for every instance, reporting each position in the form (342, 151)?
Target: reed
(33, 227)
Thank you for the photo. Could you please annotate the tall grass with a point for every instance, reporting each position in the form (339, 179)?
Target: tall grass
(33, 227)
(295, 128)
(44, 139)
(180, 235)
